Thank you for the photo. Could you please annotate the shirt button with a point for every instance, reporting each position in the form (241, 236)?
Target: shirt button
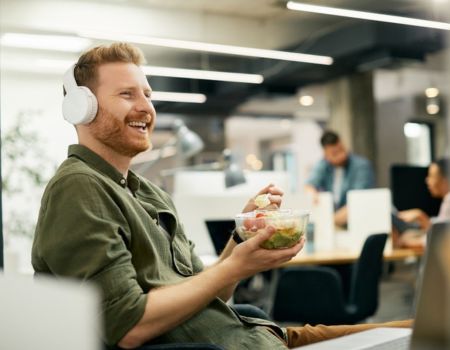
(123, 181)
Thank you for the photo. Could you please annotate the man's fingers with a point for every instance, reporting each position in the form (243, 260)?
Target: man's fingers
(274, 190)
(275, 200)
(265, 189)
(262, 236)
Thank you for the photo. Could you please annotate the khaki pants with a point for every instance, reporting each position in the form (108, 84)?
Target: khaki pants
(299, 336)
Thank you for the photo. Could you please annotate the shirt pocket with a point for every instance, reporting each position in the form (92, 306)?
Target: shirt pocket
(181, 255)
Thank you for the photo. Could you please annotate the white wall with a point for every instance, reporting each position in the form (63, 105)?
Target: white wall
(40, 97)
(43, 95)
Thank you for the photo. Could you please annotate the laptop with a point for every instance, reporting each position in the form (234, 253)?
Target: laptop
(369, 212)
(322, 216)
(48, 313)
(432, 322)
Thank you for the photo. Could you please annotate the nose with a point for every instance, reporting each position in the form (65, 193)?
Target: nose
(145, 105)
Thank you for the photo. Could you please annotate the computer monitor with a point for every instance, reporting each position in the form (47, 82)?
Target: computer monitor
(409, 189)
(220, 231)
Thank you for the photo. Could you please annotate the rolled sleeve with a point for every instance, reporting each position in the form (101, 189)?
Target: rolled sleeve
(83, 234)
(123, 302)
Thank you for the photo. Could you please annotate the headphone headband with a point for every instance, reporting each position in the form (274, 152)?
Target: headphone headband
(69, 81)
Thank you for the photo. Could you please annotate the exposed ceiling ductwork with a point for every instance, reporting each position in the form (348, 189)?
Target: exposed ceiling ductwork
(355, 47)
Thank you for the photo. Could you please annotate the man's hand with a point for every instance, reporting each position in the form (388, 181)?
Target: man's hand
(341, 217)
(248, 258)
(410, 215)
(275, 195)
(415, 215)
(312, 191)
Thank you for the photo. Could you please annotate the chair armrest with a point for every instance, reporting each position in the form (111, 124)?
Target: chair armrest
(180, 346)
(249, 310)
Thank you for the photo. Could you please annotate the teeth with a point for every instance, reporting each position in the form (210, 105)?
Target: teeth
(138, 124)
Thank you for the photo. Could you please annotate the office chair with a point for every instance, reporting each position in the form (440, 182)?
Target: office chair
(315, 294)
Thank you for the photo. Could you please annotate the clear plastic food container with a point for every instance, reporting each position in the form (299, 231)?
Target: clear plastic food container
(290, 225)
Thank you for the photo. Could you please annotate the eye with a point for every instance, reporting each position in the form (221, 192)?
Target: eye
(125, 93)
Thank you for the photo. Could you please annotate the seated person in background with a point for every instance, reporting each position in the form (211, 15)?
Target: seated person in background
(339, 172)
(439, 186)
(100, 222)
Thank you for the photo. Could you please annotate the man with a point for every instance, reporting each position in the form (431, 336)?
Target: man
(101, 222)
(339, 172)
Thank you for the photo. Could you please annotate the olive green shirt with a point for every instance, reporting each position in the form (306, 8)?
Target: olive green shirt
(98, 226)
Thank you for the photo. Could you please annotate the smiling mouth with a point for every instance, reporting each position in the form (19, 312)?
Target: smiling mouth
(143, 126)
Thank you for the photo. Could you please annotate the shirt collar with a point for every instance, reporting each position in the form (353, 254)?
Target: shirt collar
(95, 161)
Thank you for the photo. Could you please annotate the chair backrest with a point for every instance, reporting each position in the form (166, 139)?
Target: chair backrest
(366, 276)
(303, 293)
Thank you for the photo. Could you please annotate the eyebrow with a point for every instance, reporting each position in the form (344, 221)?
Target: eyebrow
(126, 87)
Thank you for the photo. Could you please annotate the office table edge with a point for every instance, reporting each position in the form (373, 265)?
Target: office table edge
(347, 257)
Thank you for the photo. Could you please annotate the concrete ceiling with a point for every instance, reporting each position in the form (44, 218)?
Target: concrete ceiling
(354, 44)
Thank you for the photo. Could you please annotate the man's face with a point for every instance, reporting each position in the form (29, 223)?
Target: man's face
(336, 154)
(126, 116)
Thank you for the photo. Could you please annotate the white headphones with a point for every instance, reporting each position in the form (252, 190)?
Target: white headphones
(80, 104)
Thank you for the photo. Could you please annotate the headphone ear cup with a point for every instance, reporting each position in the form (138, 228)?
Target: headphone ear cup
(79, 106)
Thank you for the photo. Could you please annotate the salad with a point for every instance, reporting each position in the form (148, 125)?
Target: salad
(289, 226)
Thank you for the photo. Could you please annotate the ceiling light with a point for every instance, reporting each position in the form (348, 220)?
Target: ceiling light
(306, 100)
(431, 92)
(433, 108)
(250, 158)
(203, 74)
(257, 165)
(58, 67)
(45, 42)
(208, 47)
(367, 15)
(178, 97)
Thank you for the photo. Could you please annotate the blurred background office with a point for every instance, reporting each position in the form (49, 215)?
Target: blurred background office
(255, 80)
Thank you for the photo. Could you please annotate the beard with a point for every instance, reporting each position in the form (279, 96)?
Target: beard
(112, 132)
